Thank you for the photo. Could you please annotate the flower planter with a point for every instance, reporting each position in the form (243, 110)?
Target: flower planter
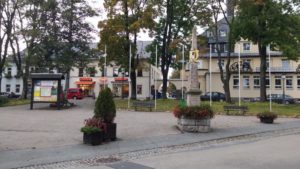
(194, 125)
(267, 120)
(110, 131)
(93, 138)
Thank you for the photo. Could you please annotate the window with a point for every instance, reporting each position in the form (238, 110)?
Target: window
(289, 82)
(235, 82)
(298, 82)
(80, 72)
(222, 64)
(246, 82)
(246, 64)
(223, 33)
(139, 89)
(209, 34)
(9, 71)
(267, 82)
(140, 73)
(285, 64)
(115, 72)
(8, 88)
(256, 82)
(277, 82)
(268, 64)
(17, 88)
(246, 46)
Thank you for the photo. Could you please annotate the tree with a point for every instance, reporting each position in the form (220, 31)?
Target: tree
(176, 18)
(216, 10)
(120, 31)
(8, 9)
(269, 22)
(75, 35)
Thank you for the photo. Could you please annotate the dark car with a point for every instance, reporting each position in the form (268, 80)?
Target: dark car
(278, 98)
(13, 95)
(216, 96)
(4, 94)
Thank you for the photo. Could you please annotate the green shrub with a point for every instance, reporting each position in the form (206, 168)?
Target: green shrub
(105, 107)
(267, 114)
(90, 130)
(3, 100)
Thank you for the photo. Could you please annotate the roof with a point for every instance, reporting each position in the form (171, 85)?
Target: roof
(47, 76)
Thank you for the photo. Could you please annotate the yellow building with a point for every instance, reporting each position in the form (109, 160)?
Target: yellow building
(285, 76)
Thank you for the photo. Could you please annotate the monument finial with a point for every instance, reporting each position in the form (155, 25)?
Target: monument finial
(194, 38)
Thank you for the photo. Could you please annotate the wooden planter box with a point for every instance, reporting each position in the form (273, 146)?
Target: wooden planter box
(111, 132)
(94, 138)
(194, 125)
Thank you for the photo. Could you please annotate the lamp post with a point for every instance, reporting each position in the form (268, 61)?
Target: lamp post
(123, 72)
(283, 89)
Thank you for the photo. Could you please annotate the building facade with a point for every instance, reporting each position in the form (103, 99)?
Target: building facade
(91, 82)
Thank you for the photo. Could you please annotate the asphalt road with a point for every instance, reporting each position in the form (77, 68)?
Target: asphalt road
(273, 153)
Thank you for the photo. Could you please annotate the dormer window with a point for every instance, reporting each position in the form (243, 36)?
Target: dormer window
(223, 33)
(246, 46)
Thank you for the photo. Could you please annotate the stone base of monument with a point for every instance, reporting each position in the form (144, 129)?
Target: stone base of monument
(194, 125)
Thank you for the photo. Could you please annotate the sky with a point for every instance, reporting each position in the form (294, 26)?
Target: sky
(98, 5)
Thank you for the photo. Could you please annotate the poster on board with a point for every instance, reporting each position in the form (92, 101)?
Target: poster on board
(45, 91)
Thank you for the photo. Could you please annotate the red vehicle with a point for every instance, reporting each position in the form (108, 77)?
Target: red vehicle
(74, 93)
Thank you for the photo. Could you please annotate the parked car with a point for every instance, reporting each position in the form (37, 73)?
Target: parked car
(4, 94)
(278, 98)
(216, 96)
(13, 95)
(74, 93)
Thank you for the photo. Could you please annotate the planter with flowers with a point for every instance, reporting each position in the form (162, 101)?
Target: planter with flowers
(93, 131)
(194, 118)
(105, 109)
(267, 117)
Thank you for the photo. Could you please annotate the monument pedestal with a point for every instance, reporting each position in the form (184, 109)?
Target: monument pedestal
(193, 94)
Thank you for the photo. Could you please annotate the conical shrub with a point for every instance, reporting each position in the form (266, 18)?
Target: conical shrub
(105, 107)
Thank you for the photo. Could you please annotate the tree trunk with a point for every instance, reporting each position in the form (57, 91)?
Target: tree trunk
(1, 81)
(165, 84)
(25, 82)
(263, 69)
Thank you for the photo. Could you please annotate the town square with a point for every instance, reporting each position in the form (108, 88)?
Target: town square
(146, 84)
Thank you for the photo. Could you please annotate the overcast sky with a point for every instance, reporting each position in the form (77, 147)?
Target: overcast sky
(98, 5)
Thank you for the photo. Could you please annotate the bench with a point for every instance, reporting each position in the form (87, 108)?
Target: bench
(146, 104)
(242, 109)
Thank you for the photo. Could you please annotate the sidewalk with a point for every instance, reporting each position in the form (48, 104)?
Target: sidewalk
(223, 127)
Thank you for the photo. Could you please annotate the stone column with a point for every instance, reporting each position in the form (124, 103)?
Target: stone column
(193, 94)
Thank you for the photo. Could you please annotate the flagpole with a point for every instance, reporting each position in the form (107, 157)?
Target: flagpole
(239, 66)
(155, 77)
(270, 79)
(129, 75)
(183, 69)
(210, 95)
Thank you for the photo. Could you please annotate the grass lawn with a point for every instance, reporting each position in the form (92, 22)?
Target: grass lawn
(292, 110)
(15, 102)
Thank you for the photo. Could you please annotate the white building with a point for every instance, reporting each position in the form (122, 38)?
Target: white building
(92, 83)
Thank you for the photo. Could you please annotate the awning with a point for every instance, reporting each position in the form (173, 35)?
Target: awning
(121, 79)
(85, 79)
(85, 83)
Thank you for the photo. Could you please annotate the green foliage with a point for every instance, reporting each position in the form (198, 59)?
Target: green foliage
(267, 114)
(90, 130)
(270, 22)
(3, 100)
(105, 106)
(197, 112)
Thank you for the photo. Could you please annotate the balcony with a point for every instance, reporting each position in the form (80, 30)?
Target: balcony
(279, 69)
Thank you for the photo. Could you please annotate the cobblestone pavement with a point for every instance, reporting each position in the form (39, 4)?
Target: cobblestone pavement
(122, 160)
(41, 136)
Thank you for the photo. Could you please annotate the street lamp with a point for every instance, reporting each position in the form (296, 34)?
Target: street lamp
(123, 72)
(283, 89)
